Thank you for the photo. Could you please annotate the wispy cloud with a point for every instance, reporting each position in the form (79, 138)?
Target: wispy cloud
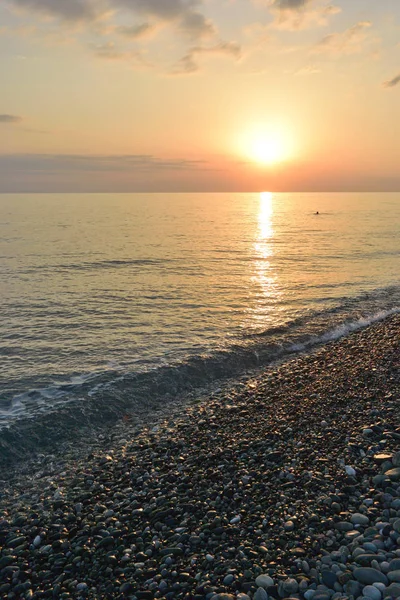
(136, 32)
(293, 15)
(392, 82)
(68, 10)
(81, 162)
(109, 51)
(10, 119)
(189, 63)
(309, 70)
(350, 41)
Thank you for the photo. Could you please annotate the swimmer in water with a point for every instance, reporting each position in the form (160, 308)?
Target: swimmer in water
(317, 213)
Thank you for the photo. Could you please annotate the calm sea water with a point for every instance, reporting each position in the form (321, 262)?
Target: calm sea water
(100, 292)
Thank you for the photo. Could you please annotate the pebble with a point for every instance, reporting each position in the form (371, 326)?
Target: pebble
(264, 581)
(368, 576)
(260, 594)
(372, 592)
(359, 519)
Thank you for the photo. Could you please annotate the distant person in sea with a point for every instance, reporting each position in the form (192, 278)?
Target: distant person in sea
(317, 213)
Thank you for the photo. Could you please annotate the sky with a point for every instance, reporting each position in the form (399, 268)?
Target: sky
(199, 95)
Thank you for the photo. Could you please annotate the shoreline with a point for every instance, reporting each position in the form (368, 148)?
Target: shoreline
(73, 428)
(251, 481)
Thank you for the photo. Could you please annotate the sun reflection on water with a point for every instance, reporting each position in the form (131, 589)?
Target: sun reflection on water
(263, 278)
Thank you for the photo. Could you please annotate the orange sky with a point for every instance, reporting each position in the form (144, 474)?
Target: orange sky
(184, 95)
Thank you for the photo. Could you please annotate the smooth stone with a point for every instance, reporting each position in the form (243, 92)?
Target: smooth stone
(394, 576)
(393, 474)
(380, 586)
(394, 564)
(353, 588)
(289, 586)
(344, 526)
(350, 471)
(260, 594)
(372, 592)
(321, 595)
(368, 576)
(396, 459)
(228, 579)
(309, 594)
(37, 541)
(380, 458)
(366, 559)
(393, 591)
(264, 581)
(359, 519)
(396, 525)
(329, 578)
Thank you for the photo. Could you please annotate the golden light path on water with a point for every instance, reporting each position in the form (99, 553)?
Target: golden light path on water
(264, 278)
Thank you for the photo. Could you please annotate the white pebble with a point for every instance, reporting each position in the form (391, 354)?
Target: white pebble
(37, 541)
(235, 520)
(349, 470)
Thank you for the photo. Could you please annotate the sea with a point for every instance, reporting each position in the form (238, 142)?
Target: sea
(128, 298)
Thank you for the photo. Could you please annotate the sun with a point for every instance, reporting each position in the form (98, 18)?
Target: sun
(267, 145)
(268, 150)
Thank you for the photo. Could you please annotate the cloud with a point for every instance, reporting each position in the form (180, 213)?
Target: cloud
(309, 70)
(11, 119)
(92, 162)
(188, 64)
(392, 82)
(136, 32)
(350, 41)
(68, 10)
(294, 15)
(110, 52)
(183, 12)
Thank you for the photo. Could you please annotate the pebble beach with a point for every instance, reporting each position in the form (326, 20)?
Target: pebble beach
(285, 485)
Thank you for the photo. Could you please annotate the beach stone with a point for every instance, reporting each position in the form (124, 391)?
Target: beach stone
(353, 588)
(329, 578)
(382, 457)
(396, 525)
(229, 579)
(394, 564)
(396, 459)
(372, 592)
(264, 581)
(394, 576)
(359, 519)
(260, 594)
(344, 526)
(289, 586)
(365, 560)
(368, 576)
(393, 474)
(392, 591)
(223, 597)
(350, 471)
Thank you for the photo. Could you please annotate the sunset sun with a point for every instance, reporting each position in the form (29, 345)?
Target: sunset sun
(266, 145)
(268, 150)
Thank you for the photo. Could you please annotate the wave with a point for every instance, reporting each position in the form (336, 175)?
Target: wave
(41, 417)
